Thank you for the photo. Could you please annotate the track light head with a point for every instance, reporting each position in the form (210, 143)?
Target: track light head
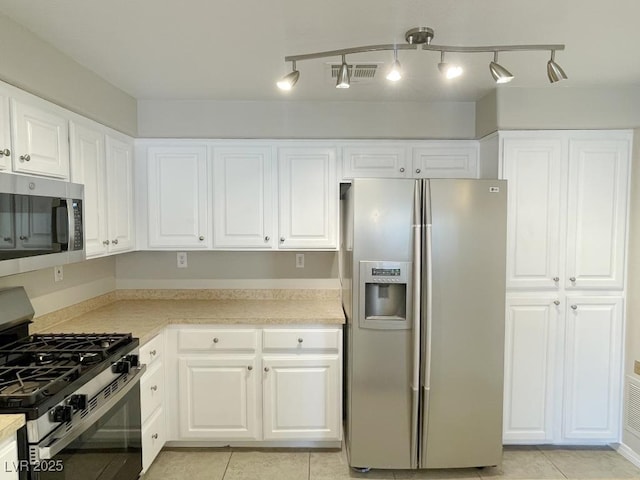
(289, 80)
(498, 72)
(555, 71)
(449, 70)
(343, 75)
(395, 72)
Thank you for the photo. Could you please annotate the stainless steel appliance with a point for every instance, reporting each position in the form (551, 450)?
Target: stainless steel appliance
(423, 278)
(80, 394)
(41, 223)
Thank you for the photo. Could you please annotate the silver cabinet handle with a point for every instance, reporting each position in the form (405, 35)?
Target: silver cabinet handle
(556, 279)
(201, 238)
(7, 239)
(556, 302)
(572, 279)
(152, 353)
(5, 153)
(22, 237)
(300, 340)
(154, 436)
(417, 170)
(267, 238)
(115, 241)
(106, 243)
(402, 169)
(281, 239)
(574, 307)
(216, 340)
(25, 158)
(154, 388)
(249, 368)
(266, 369)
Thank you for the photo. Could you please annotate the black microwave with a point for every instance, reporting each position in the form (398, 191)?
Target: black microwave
(41, 223)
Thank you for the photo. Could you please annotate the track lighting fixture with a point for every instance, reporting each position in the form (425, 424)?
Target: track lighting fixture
(343, 75)
(555, 71)
(498, 72)
(449, 70)
(395, 72)
(288, 81)
(420, 37)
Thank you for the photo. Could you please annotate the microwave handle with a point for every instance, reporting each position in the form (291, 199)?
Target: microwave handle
(57, 234)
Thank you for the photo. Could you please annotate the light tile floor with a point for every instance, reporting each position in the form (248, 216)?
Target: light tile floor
(532, 463)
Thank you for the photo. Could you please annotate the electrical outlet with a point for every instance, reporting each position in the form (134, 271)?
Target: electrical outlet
(58, 273)
(182, 260)
(299, 260)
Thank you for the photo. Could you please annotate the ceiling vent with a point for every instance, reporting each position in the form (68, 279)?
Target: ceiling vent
(358, 72)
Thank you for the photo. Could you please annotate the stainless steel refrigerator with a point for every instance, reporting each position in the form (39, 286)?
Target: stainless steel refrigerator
(423, 276)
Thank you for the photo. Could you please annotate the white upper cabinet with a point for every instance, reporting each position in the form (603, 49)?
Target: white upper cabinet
(308, 197)
(120, 194)
(597, 213)
(453, 159)
(567, 210)
(243, 203)
(177, 196)
(5, 134)
(40, 141)
(374, 161)
(533, 168)
(88, 167)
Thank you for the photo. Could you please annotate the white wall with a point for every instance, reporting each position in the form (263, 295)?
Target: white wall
(30, 63)
(226, 270)
(487, 114)
(81, 281)
(261, 119)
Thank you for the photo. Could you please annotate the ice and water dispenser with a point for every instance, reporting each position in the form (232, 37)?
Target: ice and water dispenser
(385, 295)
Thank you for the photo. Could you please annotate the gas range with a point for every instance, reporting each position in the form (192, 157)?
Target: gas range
(79, 394)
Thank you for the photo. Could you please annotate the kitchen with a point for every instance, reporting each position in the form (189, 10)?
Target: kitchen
(275, 121)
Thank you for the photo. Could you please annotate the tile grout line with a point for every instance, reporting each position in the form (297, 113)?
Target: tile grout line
(226, 467)
(309, 465)
(551, 460)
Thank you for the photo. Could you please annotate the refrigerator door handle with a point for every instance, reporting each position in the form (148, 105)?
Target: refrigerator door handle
(428, 314)
(418, 231)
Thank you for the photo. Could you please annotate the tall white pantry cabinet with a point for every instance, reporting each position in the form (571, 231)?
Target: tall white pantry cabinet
(566, 244)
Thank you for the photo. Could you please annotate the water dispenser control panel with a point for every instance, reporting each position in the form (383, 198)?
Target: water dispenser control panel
(385, 295)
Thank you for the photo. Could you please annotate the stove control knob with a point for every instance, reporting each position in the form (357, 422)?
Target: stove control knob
(123, 366)
(62, 413)
(133, 360)
(78, 402)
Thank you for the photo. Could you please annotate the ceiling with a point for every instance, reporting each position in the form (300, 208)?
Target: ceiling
(234, 49)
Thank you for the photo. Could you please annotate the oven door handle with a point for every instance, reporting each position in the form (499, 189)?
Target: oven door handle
(50, 451)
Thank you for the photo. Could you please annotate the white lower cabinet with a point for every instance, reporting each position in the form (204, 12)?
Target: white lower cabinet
(563, 369)
(9, 459)
(251, 385)
(152, 400)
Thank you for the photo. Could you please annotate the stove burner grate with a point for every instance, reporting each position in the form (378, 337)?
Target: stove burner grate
(23, 386)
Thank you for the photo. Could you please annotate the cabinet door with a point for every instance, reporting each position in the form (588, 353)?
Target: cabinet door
(217, 397)
(120, 194)
(301, 398)
(445, 161)
(308, 207)
(243, 198)
(5, 134)
(88, 167)
(177, 183)
(531, 331)
(533, 168)
(597, 213)
(379, 162)
(593, 350)
(40, 141)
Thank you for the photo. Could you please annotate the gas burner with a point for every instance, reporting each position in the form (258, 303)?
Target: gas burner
(88, 358)
(44, 358)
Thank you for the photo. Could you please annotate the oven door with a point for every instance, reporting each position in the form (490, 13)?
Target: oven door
(108, 447)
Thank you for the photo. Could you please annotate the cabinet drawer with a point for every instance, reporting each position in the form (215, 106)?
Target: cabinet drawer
(301, 339)
(152, 350)
(213, 340)
(153, 438)
(152, 390)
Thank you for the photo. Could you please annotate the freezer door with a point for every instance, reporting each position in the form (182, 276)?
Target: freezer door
(463, 340)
